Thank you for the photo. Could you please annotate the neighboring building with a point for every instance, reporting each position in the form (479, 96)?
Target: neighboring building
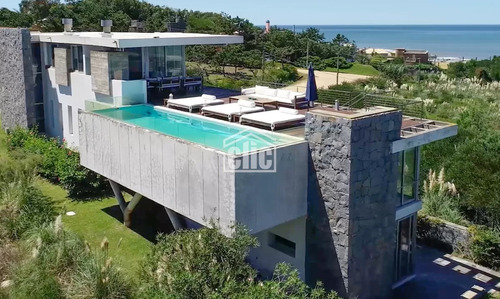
(377, 51)
(339, 204)
(413, 56)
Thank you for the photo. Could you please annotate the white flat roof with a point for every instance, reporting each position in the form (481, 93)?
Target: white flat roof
(135, 39)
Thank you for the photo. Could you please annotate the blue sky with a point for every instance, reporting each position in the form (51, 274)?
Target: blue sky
(344, 12)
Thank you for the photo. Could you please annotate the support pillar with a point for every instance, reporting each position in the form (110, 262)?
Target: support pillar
(126, 208)
(177, 223)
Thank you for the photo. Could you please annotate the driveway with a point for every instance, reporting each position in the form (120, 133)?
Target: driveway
(439, 275)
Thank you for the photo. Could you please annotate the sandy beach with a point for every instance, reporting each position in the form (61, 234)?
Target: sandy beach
(323, 79)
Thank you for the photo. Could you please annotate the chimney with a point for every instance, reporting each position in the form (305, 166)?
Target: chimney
(106, 26)
(268, 26)
(68, 24)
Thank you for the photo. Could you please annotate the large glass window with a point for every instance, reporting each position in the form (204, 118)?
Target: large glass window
(408, 176)
(77, 58)
(175, 61)
(166, 61)
(134, 63)
(157, 64)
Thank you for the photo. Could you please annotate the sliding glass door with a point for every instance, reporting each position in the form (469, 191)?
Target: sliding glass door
(404, 257)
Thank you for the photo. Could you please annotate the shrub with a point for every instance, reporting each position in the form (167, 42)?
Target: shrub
(68, 267)
(59, 164)
(207, 264)
(281, 74)
(332, 62)
(441, 199)
(485, 247)
(198, 264)
(22, 205)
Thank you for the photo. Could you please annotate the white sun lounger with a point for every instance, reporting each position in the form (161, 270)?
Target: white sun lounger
(284, 117)
(191, 104)
(229, 111)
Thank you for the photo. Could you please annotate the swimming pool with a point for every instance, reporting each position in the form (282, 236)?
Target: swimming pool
(215, 134)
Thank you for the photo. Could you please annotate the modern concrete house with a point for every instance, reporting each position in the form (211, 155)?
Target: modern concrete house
(56, 73)
(338, 200)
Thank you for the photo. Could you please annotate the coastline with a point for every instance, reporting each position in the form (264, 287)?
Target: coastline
(449, 43)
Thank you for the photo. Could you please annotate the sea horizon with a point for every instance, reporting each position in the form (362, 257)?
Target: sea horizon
(459, 41)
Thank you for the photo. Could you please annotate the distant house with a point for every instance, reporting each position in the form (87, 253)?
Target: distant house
(413, 56)
(376, 51)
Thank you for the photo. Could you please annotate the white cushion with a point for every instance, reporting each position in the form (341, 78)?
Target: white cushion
(288, 110)
(246, 103)
(282, 93)
(270, 92)
(261, 89)
(248, 90)
(208, 97)
(296, 94)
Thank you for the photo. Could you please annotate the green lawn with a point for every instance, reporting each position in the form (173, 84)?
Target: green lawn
(126, 247)
(357, 69)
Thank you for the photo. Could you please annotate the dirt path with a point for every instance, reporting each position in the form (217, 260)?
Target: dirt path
(323, 79)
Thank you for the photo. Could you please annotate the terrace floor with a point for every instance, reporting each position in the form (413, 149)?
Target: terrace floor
(440, 275)
(410, 126)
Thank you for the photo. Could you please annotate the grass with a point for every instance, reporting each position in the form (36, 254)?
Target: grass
(126, 247)
(357, 69)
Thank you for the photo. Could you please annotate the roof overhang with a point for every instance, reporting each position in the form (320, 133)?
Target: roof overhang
(135, 39)
(417, 132)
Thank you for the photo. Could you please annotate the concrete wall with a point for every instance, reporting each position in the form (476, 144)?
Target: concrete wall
(351, 203)
(189, 178)
(264, 258)
(58, 98)
(62, 60)
(16, 79)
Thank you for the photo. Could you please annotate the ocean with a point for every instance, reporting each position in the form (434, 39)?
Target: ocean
(458, 41)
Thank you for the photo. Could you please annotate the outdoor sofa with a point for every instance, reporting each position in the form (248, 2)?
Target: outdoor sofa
(191, 104)
(230, 111)
(274, 119)
(282, 96)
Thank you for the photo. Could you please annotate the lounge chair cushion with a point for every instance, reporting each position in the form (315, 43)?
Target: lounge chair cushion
(289, 110)
(246, 103)
(283, 94)
(272, 117)
(270, 92)
(208, 97)
(261, 89)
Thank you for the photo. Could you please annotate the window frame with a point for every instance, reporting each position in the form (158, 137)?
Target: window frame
(401, 177)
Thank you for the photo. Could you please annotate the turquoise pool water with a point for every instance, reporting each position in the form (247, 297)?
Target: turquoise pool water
(221, 136)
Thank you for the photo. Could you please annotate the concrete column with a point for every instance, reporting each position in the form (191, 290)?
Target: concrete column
(174, 219)
(352, 201)
(130, 208)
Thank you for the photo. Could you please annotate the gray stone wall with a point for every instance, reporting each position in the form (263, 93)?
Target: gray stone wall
(16, 79)
(442, 235)
(99, 69)
(351, 203)
(62, 57)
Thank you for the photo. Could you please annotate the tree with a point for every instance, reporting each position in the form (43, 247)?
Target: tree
(342, 47)
(394, 72)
